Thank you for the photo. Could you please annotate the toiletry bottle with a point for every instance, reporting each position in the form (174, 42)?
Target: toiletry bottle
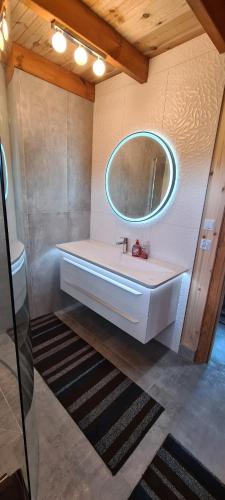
(136, 249)
(145, 250)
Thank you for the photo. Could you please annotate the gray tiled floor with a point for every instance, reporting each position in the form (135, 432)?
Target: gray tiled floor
(11, 439)
(218, 351)
(193, 397)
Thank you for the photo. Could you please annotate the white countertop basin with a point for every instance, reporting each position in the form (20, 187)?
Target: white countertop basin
(151, 272)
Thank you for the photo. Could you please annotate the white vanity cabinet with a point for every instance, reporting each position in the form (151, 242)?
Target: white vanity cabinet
(139, 310)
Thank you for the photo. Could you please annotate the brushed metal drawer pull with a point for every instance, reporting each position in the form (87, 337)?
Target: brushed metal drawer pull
(104, 278)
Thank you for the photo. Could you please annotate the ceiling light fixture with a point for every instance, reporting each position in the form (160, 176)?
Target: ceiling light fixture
(99, 67)
(81, 52)
(81, 55)
(59, 42)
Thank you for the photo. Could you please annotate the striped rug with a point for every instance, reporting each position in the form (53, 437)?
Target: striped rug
(111, 410)
(175, 474)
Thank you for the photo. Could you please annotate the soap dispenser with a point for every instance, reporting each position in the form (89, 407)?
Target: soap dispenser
(136, 249)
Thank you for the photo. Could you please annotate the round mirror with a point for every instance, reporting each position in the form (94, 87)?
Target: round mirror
(140, 176)
(5, 171)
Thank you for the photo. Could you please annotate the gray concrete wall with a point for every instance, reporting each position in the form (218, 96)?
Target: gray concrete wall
(5, 138)
(5, 300)
(51, 150)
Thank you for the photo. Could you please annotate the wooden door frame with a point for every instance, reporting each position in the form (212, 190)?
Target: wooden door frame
(203, 306)
(213, 302)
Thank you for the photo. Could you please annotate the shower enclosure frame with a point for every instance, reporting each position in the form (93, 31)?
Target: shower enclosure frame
(2, 185)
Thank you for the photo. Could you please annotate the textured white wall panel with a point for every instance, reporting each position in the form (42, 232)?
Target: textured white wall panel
(181, 101)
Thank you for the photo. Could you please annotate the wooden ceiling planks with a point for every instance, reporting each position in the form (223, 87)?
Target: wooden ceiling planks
(153, 26)
(136, 19)
(165, 37)
(33, 32)
(93, 30)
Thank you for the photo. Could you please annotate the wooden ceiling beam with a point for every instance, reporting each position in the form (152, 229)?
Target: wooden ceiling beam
(36, 65)
(1, 6)
(211, 15)
(80, 20)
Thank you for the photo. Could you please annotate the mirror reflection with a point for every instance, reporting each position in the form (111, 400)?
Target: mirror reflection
(140, 176)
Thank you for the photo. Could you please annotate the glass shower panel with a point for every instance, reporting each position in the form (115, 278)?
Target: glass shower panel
(12, 444)
(17, 333)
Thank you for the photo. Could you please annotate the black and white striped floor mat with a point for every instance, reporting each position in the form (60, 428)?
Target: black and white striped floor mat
(112, 411)
(175, 474)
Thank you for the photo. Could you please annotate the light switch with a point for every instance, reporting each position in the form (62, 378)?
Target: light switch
(209, 224)
(205, 244)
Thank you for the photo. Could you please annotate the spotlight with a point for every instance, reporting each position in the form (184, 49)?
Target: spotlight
(99, 67)
(81, 52)
(80, 56)
(59, 42)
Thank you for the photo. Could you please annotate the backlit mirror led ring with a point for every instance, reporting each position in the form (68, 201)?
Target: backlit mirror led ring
(171, 184)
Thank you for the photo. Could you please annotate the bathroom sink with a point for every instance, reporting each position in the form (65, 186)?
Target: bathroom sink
(150, 272)
(145, 265)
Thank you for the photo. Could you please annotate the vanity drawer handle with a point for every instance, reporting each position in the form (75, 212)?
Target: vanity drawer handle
(104, 278)
(102, 302)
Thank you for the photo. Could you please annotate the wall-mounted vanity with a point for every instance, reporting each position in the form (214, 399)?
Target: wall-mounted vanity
(138, 296)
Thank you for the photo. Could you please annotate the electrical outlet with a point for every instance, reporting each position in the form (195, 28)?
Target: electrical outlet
(206, 244)
(209, 224)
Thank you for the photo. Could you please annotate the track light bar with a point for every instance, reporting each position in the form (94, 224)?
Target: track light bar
(77, 40)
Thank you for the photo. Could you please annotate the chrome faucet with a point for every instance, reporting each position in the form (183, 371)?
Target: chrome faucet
(124, 242)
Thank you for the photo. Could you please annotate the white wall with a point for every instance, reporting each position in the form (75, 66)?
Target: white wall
(181, 101)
